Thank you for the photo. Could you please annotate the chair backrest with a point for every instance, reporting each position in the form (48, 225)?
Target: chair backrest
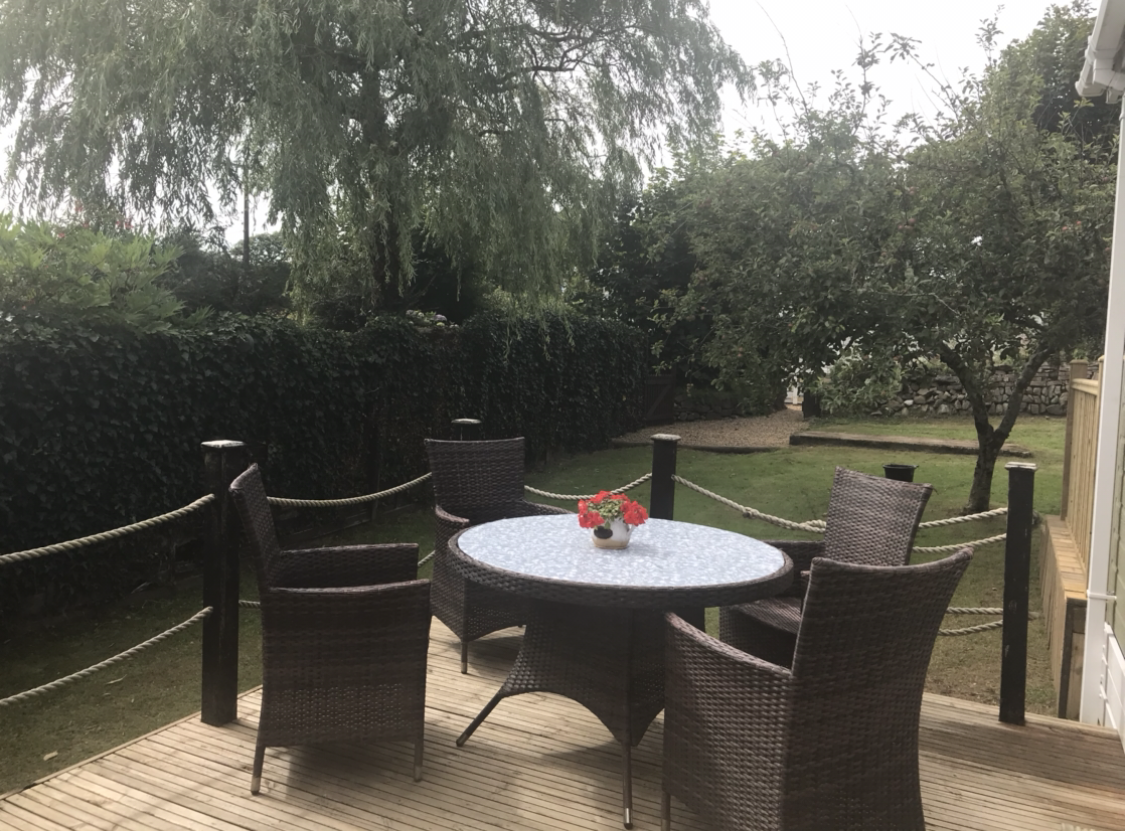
(867, 631)
(872, 520)
(249, 495)
(471, 477)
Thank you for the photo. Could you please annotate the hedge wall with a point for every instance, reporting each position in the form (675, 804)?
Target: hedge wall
(101, 427)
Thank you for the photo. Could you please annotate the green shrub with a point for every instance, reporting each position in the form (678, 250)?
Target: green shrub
(85, 275)
(861, 381)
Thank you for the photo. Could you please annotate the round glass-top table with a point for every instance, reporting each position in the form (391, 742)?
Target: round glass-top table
(595, 630)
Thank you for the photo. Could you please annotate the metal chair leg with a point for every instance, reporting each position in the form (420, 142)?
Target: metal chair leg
(419, 743)
(627, 782)
(666, 812)
(256, 776)
(464, 657)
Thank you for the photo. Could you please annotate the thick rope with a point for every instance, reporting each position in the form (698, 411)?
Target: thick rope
(342, 503)
(962, 610)
(941, 549)
(93, 539)
(426, 559)
(116, 659)
(953, 520)
(815, 525)
(972, 630)
(250, 604)
(981, 627)
(818, 525)
(577, 496)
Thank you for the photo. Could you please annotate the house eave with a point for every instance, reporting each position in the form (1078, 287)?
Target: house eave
(1102, 71)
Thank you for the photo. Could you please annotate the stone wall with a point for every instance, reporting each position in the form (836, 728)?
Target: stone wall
(944, 395)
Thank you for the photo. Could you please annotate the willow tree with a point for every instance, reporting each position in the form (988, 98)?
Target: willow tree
(503, 131)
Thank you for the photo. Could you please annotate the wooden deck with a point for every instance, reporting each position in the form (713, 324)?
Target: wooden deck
(539, 762)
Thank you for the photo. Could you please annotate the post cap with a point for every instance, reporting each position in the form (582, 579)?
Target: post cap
(223, 444)
(466, 421)
(1021, 466)
(665, 437)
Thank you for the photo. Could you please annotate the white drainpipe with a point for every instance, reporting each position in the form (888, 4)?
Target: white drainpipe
(1093, 672)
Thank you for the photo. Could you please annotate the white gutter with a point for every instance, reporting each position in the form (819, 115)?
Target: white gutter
(1102, 71)
(1109, 418)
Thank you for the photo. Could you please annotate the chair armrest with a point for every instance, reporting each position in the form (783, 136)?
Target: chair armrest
(346, 565)
(724, 710)
(801, 552)
(445, 526)
(754, 669)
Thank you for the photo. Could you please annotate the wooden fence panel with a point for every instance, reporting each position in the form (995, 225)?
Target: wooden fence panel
(1080, 460)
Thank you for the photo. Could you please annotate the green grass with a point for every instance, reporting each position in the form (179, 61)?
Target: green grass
(162, 684)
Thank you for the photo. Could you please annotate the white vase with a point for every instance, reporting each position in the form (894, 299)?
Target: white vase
(619, 534)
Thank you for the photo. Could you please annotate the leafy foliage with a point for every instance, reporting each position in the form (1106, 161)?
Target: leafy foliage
(73, 271)
(101, 425)
(982, 240)
(505, 132)
(860, 382)
(206, 275)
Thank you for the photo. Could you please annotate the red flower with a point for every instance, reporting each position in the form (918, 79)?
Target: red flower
(635, 514)
(590, 519)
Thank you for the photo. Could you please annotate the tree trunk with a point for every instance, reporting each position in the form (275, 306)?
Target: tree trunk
(980, 494)
(989, 439)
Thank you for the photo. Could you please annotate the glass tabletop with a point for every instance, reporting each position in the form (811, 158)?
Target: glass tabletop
(661, 553)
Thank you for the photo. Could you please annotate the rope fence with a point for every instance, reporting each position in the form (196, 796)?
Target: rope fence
(116, 659)
(817, 526)
(343, 503)
(577, 496)
(105, 536)
(811, 526)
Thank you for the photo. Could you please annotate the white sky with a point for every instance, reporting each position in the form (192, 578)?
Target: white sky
(822, 35)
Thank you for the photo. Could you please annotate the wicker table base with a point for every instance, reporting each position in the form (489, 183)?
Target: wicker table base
(611, 661)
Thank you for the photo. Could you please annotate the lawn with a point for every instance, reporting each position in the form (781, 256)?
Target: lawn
(62, 728)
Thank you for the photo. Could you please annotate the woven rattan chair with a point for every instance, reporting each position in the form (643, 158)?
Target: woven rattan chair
(871, 521)
(475, 482)
(831, 743)
(344, 638)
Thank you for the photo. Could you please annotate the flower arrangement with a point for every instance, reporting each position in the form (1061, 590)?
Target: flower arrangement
(602, 509)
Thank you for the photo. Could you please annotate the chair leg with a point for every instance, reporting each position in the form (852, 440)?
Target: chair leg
(666, 812)
(627, 782)
(464, 657)
(256, 776)
(419, 743)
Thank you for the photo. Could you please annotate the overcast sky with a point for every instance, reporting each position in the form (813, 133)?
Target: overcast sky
(822, 35)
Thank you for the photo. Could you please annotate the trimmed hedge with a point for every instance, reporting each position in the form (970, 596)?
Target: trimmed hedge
(100, 427)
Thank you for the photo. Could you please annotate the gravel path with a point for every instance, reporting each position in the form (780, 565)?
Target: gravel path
(753, 431)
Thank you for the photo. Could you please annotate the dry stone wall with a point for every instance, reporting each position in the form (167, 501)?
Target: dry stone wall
(944, 395)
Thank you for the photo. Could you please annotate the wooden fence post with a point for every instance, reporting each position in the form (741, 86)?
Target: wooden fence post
(662, 497)
(1017, 577)
(223, 461)
(1078, 370)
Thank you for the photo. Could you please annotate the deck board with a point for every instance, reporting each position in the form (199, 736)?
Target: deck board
(540, 763)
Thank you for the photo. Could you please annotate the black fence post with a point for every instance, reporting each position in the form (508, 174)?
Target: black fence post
(467, 429)
(222, 462)
(662, 497)
(1017, 578)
